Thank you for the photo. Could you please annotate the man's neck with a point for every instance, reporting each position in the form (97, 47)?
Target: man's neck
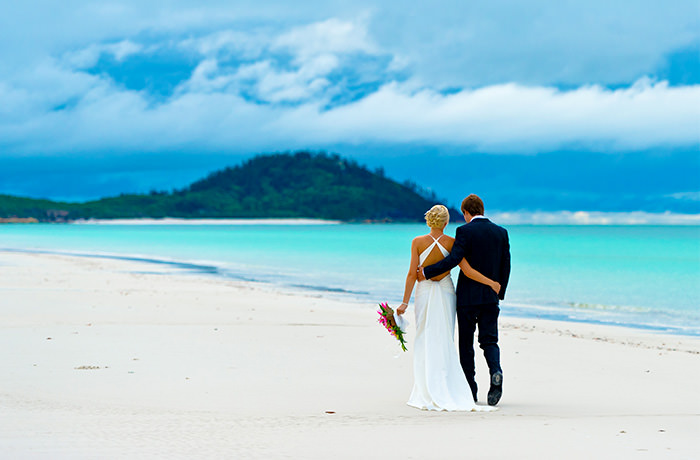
(477, 217)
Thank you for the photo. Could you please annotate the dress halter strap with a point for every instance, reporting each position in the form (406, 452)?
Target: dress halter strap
(424, 255)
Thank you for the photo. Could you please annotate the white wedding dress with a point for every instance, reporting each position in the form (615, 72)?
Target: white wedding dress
(439, 382)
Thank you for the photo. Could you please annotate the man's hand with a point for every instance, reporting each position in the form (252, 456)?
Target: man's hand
(419, 274)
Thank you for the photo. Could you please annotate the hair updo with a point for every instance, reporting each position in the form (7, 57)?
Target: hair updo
(437, 216)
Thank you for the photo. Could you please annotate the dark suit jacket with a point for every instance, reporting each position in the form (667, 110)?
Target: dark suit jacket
(485, 246)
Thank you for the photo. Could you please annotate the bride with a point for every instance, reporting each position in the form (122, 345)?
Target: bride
(439, 382)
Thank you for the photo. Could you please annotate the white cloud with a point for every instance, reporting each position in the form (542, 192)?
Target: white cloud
(594, 218)
(206, 78)
(247, 45)
(40, 90)
(445, 43)
(123, 49)
(511, 117)
(87, 57)
(209, 112)
(686, 196)
(332, 36)
(275, 85)
(243, 94)
(263, 79)
(287, 67)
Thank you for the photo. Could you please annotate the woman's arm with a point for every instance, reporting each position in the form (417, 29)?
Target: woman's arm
(410, 278)
(469, 272)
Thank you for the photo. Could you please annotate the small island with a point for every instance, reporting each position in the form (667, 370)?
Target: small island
(281, 185)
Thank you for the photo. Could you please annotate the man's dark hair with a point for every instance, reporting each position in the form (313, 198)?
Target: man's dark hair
(473, 205)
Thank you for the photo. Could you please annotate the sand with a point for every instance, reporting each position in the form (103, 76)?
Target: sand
(113, 359)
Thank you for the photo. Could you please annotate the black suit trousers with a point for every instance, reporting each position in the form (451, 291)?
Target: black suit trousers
(486, 318)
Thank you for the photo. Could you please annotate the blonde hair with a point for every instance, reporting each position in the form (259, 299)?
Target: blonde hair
(437, 216)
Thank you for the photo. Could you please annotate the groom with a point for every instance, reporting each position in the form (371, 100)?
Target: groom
(485, 246)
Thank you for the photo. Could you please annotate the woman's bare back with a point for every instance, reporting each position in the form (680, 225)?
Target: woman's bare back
(423, 242)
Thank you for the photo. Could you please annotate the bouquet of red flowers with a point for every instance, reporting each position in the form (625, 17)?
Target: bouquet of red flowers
(386, 319)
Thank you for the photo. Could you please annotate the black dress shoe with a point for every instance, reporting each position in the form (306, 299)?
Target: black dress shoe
(496, 390)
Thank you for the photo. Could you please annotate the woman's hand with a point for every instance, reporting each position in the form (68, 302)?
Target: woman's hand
(496, 286)
(402, 309)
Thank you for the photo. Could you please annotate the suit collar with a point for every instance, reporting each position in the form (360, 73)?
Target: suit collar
(478, 219)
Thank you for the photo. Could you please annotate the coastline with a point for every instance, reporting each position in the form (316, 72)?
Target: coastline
(121, 358)
(518, 217)
(222, 221)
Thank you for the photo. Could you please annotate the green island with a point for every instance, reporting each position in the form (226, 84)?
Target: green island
(281, 185)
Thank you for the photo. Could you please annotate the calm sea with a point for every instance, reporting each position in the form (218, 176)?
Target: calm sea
(642, 276)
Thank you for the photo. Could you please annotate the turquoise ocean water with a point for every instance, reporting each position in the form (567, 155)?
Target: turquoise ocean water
(641, 276)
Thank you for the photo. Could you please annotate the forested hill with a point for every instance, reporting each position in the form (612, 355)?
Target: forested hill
(279, 185)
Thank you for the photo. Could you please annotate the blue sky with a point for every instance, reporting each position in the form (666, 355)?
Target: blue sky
(535, 105)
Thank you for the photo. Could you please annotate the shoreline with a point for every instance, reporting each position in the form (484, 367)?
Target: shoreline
(509, 310)
(121, 358)
(212, 221)
(519, 217)
(509, 218)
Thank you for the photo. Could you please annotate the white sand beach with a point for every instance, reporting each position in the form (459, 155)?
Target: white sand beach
(105, 358)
